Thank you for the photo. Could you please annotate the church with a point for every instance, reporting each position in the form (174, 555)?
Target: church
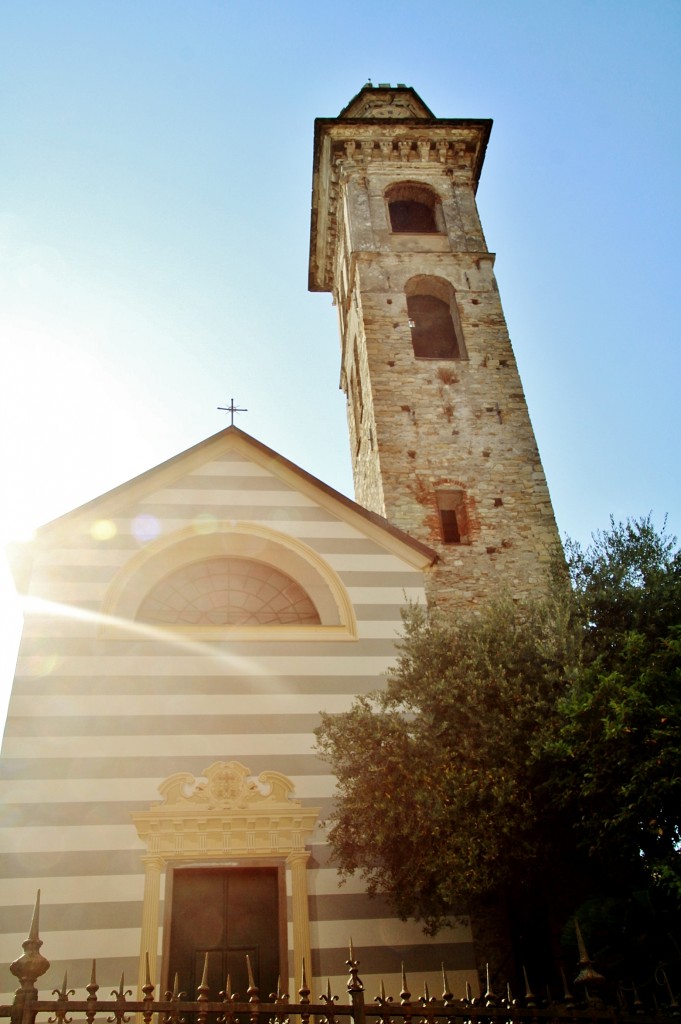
(160, 780)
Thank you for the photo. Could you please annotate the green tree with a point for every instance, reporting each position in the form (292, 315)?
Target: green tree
(524, 748)
(437, 774)
(613, 755)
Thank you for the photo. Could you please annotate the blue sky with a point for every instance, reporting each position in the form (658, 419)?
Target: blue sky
(155, 178)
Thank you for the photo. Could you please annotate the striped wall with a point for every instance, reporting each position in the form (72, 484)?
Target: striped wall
(100, 715)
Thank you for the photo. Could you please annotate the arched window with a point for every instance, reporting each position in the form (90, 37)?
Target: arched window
(413, 208)
(434, 319)
(241, 580)
(226, 592)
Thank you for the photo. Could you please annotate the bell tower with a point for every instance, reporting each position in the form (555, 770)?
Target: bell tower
(441, 439)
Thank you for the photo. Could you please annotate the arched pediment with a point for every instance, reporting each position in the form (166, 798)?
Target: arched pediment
(280, 587)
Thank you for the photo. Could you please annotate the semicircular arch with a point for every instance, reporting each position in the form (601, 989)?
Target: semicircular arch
(166, 556)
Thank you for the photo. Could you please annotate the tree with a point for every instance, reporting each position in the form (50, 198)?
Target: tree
(437, 774)
(524, 748)
(614, 755)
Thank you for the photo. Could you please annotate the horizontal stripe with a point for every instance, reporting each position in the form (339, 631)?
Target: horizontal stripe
(230, 468)
(384, 931)
(79, 887)
(70, 812)
(163, 725)
(80, 642)
(57, 864)
(197, 685)
(341, 906)
(69, 837)
(223, 484)
(115, 790)
(221, 663)
(76, 917)
(277, 495)
(185, 704)
(82, 569)
(217, 746)
(74, 765)
(116, 942)
(20, 892)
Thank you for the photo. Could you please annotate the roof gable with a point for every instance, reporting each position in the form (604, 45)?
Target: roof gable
(260, 464)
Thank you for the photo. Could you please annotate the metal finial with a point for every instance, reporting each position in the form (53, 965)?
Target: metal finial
(355, 983)
(32, 964)
(490, 998)
(447, 994)
(231, 409)
(252, 991)
(530, 999)
(405, 994)
(587, 973)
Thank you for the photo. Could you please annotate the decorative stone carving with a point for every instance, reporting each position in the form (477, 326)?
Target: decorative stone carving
(225, 785)
(423, 146)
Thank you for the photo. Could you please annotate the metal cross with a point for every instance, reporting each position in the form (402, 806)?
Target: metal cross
(231, 408)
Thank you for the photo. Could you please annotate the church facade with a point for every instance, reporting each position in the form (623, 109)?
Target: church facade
(183, 632)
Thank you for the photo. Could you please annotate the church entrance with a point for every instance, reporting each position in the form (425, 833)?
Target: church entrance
(227, 913)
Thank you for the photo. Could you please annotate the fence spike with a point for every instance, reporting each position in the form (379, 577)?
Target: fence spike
(530, 999)
(447, 994)
(490, 998)
(354, 981)
(32, 964)
(203, 988)
(587, 972)
(405, 994)
(253, 992)
(304, 991)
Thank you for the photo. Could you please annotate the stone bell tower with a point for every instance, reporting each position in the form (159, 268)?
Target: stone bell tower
(441, 439)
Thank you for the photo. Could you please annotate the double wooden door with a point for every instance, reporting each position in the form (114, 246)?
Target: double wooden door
(227, 913)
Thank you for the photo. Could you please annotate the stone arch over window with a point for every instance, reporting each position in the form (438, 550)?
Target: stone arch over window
(413, 208)
(434, 319)
(261, 584)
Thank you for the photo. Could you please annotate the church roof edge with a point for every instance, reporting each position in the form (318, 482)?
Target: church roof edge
(109, 499)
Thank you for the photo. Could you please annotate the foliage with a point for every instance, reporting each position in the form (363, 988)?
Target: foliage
(436, 774)
(615, 756)
(507, 743)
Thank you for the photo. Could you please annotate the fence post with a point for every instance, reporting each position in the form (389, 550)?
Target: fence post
(355, 989)
(28, 968)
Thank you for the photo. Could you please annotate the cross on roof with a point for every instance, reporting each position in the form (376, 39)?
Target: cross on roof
(231, 408)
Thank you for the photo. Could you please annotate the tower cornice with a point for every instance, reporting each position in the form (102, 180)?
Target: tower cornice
(348, 143)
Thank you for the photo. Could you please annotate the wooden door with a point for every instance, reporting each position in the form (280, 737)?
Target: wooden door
(227, 913)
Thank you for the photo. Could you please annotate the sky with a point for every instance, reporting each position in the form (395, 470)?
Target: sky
(155, 176)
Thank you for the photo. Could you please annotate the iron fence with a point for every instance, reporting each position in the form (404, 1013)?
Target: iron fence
(579, 1002)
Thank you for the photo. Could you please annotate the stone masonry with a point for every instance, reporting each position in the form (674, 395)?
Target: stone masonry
(421, 428)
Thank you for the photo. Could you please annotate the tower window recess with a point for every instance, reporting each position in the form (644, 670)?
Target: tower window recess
(434, 319)
(413, 209)
(453, 517)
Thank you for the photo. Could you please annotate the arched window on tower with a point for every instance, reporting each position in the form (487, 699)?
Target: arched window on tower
(413, 208)
(434, 319)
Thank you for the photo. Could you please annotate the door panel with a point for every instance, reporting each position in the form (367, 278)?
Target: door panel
(227, 913)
